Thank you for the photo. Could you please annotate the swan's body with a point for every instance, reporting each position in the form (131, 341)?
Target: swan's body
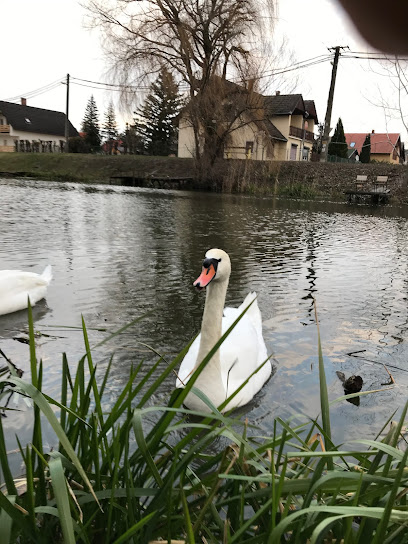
(241, 353)
(17, 286)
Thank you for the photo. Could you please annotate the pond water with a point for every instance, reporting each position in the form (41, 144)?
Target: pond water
(119, 252)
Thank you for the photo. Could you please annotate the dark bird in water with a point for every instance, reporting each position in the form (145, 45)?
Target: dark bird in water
(352, 384)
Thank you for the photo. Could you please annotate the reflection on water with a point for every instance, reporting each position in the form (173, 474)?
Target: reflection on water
(118, 253)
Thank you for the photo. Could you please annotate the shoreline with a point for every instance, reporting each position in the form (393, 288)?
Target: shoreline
(302, 180)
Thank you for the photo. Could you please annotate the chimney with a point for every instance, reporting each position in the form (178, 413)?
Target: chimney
(24, 101)
(372, 132)
(277, 93)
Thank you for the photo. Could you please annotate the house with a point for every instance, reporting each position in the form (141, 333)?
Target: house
(384, 147)
(24, 128)
(296, 119)
(283, 131)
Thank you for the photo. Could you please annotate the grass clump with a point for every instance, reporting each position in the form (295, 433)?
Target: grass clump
(111, 479)
(298, 191)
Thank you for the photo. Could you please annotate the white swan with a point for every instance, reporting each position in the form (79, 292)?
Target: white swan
(16, 286)
(241, 353)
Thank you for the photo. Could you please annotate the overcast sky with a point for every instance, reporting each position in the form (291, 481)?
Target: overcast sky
(43, 40)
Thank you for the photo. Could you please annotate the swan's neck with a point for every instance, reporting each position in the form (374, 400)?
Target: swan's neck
(211, 327)
(210, 380)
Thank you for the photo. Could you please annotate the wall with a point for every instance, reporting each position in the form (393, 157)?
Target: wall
(282, 123)
(185, 139)
(334, 178)
(6, 148)
(279, 150)
(30, 136)
(384, 157)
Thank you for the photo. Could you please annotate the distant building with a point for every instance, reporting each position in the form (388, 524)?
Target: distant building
(385, 147)
(281, 128)
(28, 129)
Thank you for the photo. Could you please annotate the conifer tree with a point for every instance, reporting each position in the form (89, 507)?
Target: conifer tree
(90, 125)
(109, 128)
(338, 145)
(156, 117)
(366, 150)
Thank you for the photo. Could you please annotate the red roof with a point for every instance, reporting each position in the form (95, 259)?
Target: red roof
(380, 142)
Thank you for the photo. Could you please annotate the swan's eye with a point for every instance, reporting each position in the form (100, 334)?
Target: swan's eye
(219, 260)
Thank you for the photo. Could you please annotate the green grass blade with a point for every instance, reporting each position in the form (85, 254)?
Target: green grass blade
(8, 477)
(91, 366)
(61, 495)
(6, 523)
(135, 529)
(33, 357)
(140, 439)
(324, 397)
(322, 527)
(187, 519)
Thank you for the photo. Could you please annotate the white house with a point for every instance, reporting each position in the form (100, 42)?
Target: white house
(24, 128)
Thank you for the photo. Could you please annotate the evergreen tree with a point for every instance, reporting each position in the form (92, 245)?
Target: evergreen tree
(156, 118)
(133, 143)
(90, 125)
(109, 129)
(338, 145)
(366, 149)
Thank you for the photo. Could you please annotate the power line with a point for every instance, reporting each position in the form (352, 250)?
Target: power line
(35, 92)
(114, 86)
(117, 87)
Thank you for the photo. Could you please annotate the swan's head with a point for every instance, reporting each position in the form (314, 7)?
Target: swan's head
(216, 267)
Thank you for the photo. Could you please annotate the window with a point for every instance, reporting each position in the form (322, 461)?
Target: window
(352, 144)
(27, 121)
(5, 143)
(249, 148)
(2, 121)
(305, 154)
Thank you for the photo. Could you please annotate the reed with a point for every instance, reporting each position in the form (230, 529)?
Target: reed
(140, 473)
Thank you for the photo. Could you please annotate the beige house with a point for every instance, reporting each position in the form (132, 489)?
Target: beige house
(28, 129)
(384, 147)
(286, 132)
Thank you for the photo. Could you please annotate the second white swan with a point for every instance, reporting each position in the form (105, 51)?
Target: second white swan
(241, 353)
(16, 286)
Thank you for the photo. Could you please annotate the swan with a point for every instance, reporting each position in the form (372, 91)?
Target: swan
(16, 286)
(241, 353)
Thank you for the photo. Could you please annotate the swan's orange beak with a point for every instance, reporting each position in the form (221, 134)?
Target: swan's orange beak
(207, 274)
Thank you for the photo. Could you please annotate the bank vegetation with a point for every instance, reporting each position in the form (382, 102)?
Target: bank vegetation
(131, 470)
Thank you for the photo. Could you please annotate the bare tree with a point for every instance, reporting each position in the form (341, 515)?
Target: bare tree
(392, 95)
(204, 43)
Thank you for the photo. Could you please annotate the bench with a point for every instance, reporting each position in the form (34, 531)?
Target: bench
(380, 185)
(361, 182)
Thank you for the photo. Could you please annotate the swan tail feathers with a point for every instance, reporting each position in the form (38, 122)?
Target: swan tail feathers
(47, 274)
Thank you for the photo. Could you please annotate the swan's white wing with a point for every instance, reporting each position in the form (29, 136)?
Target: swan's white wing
(248, 344)
(253, 313)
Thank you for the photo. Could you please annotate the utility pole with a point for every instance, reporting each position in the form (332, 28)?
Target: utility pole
(327, 119)
(67, 118)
